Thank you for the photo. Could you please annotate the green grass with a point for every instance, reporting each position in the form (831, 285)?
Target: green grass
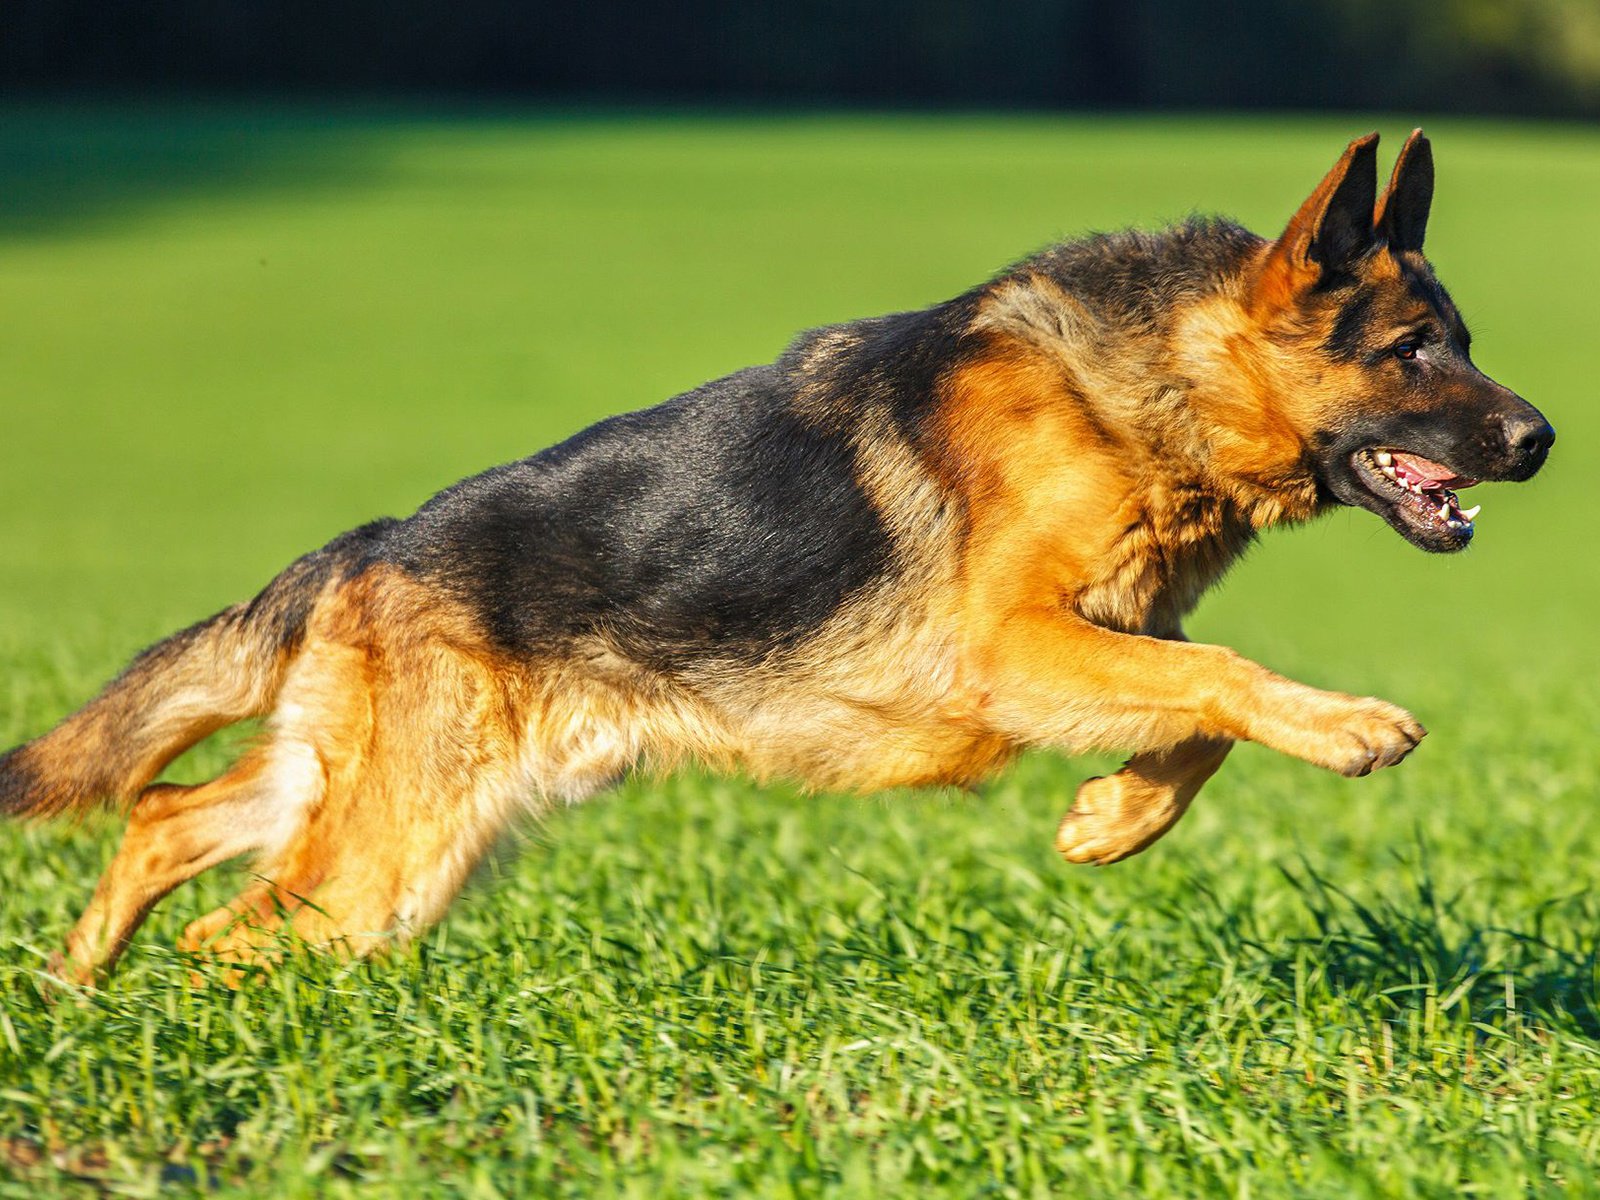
(230, 333)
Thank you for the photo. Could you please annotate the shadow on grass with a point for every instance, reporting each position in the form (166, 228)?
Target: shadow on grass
(65, 165)
(1403, 951)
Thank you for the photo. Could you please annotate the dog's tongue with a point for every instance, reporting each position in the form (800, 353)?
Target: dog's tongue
(1426, 472)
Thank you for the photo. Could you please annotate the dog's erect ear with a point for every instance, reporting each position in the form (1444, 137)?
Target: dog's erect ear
(1333, 227)
(1403, 211)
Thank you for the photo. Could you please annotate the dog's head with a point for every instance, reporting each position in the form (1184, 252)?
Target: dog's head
(1370, 359)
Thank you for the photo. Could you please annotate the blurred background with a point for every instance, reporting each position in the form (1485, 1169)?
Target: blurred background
(1501, 56)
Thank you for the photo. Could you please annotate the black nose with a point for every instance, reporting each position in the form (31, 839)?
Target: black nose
(1532, 437)
(1528, 439)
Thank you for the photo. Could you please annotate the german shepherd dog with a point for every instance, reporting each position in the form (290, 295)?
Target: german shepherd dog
(908, 549)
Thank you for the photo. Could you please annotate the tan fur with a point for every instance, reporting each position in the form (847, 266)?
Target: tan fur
(222, 677)
(1083, 538)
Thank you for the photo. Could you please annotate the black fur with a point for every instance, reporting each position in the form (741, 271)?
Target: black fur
(19, 782)
(1351, 338)
(890, 365)
(1345, 232)
(284, 605)
(1135, 279)
(1405, 216)
(1425, 286)
(719, 524)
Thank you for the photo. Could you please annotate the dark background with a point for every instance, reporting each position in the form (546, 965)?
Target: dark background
(1536, 57)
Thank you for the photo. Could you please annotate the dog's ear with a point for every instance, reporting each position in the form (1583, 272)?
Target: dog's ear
(1332, 229)
(1403, 211)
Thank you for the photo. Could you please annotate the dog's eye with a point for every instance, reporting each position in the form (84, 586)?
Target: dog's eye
(1406, 350)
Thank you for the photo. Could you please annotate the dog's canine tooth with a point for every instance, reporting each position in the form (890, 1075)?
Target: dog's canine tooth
(1467, 514)
(1384, 459)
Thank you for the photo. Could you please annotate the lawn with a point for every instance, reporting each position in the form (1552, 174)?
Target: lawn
(229, 333)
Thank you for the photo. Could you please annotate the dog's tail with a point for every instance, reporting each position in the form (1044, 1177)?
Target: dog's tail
(177, 692)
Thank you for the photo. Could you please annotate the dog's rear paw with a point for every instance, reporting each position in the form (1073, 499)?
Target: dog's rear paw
(64, 977)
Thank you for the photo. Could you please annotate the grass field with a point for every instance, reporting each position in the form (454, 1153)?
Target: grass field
(226, 334)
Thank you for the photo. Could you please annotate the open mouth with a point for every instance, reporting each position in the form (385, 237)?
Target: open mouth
(1419, 494)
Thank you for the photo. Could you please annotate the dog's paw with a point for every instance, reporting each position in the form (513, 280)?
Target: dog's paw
(1355, 735)
(1112, 819)
(64, 977)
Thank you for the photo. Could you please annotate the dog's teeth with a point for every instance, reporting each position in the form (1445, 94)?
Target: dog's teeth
(1468, 513)
(1389, 471)
(1384, 459)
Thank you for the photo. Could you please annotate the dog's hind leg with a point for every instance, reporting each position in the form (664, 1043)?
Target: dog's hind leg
(429, 741)
(368, 870)
(174, 833)
(426, 768)
(1115, 816)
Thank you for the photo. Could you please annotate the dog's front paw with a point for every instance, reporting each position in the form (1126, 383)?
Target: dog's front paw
(1353, 735)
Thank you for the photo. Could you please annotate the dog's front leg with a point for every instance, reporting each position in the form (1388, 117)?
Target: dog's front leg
(1050, 676)
(1115, 816)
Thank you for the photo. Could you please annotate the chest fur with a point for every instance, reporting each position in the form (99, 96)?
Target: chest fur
(1173, 544)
